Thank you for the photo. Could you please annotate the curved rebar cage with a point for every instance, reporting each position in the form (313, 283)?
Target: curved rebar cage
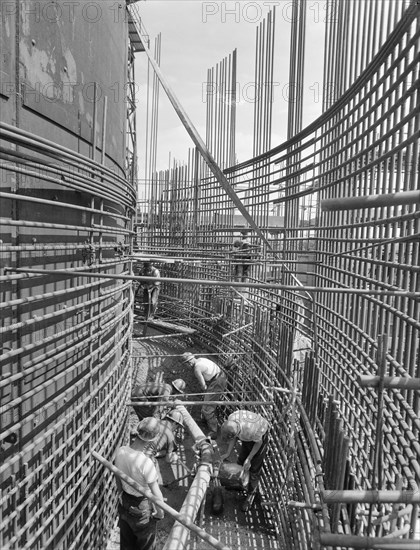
(323, 323)
(329, 305)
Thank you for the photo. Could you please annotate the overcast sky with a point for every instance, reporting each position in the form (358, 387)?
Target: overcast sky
(195, 36)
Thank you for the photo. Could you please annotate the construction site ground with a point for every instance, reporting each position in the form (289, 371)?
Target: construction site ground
(235, 528)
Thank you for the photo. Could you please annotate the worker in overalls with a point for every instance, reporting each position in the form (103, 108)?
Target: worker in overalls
(151, 290)
(213, 381)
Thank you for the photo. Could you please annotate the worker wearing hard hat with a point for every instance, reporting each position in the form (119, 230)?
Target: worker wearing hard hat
(171, 428)
(252, 430)
(213, 381)
(151, 289)
(154, 391)
(137, 513)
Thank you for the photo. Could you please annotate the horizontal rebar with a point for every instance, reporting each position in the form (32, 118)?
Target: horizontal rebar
(367, 291)
(401, 382)
(371, 497)
(372, 543)
(194, 403)
(179, 396)
(371, 201)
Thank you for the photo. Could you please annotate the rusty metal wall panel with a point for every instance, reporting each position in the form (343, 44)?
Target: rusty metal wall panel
(64, 50)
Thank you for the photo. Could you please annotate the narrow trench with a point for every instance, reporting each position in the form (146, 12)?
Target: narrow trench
(235, 528)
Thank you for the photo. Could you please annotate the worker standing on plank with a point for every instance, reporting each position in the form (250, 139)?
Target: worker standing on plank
(213, 381)
(151, 290)
(252, 430)
(137, 513)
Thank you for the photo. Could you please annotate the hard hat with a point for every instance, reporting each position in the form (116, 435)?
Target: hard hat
(179, 385)
(229, 430)
(187, 356)
(176, 416)
(148, 428)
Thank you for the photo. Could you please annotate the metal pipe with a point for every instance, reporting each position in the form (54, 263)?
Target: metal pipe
(400, 382)
(370, 201)
(178, 537)
(194, 403)
(268, 388)
(371, 497)
(373, 543)
(218, 283)
(179, 516)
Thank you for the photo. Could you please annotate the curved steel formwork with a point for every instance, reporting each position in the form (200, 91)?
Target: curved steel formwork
(66, 203)
(330, 307)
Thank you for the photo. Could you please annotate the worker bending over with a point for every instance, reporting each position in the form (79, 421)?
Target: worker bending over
(137, 513)
(154, 391)
(213, 381)
(171, 428)
(252, 430)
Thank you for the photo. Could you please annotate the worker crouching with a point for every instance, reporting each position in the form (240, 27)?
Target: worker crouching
(252, 430)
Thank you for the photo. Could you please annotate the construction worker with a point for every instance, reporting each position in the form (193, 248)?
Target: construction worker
(252, 430)
(237, 265)
(154, 391)
(245, 255)
(150, 290)
(137, 513)
(213, 381)
(171, 428)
